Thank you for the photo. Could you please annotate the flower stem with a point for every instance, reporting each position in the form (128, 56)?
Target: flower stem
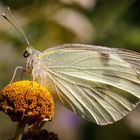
(19, 131)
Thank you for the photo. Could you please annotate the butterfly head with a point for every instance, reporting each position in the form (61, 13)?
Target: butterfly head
(31, 55)
(28, 52)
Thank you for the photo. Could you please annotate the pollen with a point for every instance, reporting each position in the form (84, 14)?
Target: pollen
(27, 101)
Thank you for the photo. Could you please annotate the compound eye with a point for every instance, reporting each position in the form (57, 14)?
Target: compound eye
(26, 54)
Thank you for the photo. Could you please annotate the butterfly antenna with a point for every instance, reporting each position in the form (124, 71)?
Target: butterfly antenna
(16, 25)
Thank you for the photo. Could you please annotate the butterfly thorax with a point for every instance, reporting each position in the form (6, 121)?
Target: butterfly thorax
(32, 58)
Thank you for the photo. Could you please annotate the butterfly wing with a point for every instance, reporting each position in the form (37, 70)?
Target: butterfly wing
(100, 84)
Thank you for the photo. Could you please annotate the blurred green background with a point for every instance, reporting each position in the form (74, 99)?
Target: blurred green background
(52, 22)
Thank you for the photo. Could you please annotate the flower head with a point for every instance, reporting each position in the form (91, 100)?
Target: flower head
(26, 101)
(40, 135)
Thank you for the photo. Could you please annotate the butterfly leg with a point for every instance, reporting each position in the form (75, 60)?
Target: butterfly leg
(23, 71)
(14, 74)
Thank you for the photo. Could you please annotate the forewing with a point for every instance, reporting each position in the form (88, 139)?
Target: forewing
(100, 84)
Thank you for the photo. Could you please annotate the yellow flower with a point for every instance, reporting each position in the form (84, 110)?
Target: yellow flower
(26, 101)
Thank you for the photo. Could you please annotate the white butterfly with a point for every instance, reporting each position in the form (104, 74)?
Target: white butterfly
(98, 83)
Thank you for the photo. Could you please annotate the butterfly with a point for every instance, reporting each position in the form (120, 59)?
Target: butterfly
(100, 84)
